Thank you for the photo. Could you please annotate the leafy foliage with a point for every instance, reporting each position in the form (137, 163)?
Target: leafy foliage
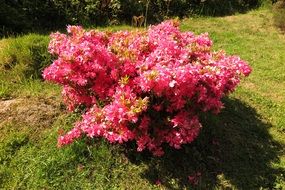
(21, 16)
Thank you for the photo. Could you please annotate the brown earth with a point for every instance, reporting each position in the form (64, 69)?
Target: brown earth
(36, 112)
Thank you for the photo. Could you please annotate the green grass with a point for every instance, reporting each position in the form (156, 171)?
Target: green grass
(21, 62)
(241, 148)
(24, 56)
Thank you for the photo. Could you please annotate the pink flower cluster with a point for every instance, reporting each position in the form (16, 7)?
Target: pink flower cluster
(148, 86)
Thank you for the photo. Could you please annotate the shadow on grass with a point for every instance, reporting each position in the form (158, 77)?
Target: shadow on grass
(233, 150)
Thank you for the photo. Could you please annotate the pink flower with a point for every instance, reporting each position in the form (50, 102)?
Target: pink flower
(158, 182)
(194, 179)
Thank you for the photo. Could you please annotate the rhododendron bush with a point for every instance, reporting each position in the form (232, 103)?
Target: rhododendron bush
(148, 86)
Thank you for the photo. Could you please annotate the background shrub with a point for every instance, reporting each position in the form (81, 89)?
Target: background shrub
(22, 16)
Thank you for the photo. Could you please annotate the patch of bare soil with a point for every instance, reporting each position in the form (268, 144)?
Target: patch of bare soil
(36, 112)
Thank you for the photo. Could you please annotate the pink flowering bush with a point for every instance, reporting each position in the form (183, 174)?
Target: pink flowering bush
(147, 86)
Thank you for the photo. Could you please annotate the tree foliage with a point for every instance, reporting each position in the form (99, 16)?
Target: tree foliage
(20, 16)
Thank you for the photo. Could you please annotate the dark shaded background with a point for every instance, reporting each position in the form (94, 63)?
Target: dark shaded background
(22, 16)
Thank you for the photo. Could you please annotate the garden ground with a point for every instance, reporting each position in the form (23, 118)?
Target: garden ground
(241, 148)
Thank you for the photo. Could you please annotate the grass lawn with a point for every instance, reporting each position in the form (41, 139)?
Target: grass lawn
(241, 148)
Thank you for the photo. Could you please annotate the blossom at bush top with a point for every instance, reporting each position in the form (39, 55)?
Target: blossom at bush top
(147, 86)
